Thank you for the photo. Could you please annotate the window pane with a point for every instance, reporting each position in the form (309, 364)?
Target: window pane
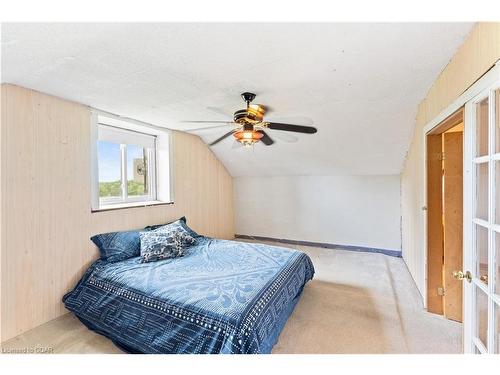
(497, 118)
(496, 270)
(482, 127)
(482, 191)
(482, 316)
(109, 165)
(497, 329)
(482, 253)
(497, 193)
(137, 173)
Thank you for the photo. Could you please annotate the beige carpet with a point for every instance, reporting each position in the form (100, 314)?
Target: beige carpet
(364, 303)
(357, 303)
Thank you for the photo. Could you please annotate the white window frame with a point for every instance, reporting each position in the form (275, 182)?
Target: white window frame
(106, 126)
(126, 137)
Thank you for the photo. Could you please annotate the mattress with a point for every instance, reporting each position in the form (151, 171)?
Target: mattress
(221, 297)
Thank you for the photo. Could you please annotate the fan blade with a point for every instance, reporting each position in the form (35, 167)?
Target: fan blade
(220, 111)
(221, 138)
(207, 122)
(292, 128)
(205, 128)
(266, 139)
(283, 136)
(297, 120)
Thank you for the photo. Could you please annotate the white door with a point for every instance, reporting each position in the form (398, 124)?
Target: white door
(481, 273)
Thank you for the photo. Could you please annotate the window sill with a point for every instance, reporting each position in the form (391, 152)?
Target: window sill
(122, 206)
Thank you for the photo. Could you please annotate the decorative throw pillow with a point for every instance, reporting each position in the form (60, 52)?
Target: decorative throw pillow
(163, 244)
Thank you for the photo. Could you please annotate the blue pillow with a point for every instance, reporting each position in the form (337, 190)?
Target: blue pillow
(180, 222)
(117, 246)
(156, 226)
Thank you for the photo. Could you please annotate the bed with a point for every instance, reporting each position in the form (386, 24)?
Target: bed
(221, 297)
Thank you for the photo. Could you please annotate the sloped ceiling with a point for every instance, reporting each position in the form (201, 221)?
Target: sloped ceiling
(359, 84)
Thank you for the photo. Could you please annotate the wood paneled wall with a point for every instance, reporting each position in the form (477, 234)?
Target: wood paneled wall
(476, 56)
(46, 218)
(479, 52)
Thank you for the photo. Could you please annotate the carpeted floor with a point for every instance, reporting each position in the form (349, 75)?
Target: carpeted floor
(364, 303)
(357, 303)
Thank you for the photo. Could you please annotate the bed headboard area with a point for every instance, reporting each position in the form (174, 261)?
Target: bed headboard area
(46, 224)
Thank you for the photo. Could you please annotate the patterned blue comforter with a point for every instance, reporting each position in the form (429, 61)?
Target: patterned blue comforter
(222, 297)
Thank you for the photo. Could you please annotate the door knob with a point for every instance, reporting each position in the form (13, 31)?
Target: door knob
(460, 275)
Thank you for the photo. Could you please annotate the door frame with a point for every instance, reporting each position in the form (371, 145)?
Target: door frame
(487, 80)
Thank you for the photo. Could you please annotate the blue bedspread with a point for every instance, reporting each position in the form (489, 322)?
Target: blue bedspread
(222, 297)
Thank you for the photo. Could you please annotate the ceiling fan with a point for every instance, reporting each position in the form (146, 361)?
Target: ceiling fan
(248, 125)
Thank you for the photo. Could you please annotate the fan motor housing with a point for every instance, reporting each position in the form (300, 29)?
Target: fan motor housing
(241, 116)
(254, 114)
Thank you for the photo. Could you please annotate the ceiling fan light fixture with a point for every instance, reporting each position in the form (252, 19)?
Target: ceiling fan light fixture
(246, 120)
(248, 137)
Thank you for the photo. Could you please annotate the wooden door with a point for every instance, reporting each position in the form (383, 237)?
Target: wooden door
(434, 224)
(453, 223)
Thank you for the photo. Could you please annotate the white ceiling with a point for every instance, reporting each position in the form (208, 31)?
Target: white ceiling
(359, 84)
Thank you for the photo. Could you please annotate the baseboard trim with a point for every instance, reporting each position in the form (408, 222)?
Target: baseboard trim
(392, 253)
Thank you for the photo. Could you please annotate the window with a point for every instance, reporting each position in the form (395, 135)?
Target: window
(126, 165)
(125, 159)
